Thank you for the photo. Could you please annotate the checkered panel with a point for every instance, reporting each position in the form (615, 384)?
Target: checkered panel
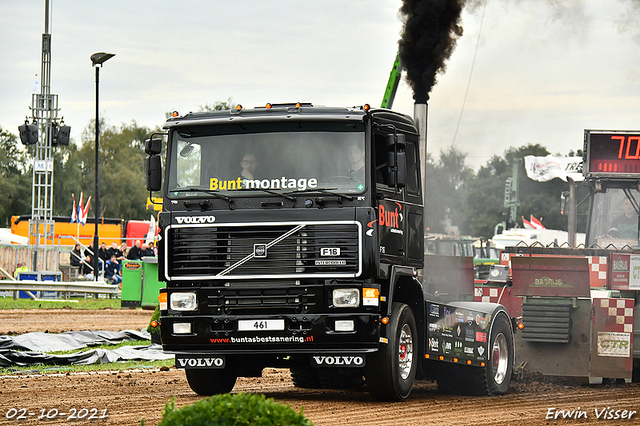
(619, 314)
(598, 271)
(486, 294)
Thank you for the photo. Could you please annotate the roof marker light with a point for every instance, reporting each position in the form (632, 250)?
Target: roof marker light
(299, 105)
(238, 107)
(366, 107)
(175, 114)
(268, 106)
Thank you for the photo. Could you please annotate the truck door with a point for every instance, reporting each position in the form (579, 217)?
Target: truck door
(390, 205)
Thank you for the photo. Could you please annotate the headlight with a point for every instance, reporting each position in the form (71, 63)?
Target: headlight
(181, 328)
(183, 301)
(346, 297)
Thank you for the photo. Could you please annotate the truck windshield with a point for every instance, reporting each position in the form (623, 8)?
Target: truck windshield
(614, 219)
(275, 156)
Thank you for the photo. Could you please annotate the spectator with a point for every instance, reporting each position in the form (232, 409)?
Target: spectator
(123, 251)
(20, 267)
(114, 249)
(147, 250)
(135, 252)
(75, 257)
(112, 270)
(103, 253)
(88, 262)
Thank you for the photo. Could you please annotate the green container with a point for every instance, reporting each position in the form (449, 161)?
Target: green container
(150, 284)
(131, 296)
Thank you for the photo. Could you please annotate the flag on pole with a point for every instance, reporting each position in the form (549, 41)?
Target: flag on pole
(74, 212)
(536, 223)
(79, 217)
(527, 224)
(85, 212)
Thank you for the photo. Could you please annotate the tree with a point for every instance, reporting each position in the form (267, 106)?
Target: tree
(121, 156)
(15, 178)
(446, 192)
(217, 106)
(485, 195)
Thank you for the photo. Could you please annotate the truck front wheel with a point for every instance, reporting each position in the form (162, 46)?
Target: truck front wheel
(391, 371)
(211, 382)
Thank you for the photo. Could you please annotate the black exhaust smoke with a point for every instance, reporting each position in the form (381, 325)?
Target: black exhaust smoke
(432, 28)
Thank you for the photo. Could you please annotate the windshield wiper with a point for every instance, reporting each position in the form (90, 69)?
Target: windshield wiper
(325, 191)
(216, 194)
(268, 191)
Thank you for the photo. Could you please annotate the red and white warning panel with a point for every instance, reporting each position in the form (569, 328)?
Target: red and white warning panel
(612, 351)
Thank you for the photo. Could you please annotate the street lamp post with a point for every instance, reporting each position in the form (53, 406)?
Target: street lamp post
(97, 59)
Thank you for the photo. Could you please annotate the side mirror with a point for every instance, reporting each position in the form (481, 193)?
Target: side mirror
(153, 172)
(391, 141)
(153, 146)
(397, 169)
(28, 133)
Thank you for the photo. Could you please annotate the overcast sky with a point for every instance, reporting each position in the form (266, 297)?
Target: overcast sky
(544, 71)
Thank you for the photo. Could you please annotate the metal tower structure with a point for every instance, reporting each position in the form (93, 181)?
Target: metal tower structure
(44, 111)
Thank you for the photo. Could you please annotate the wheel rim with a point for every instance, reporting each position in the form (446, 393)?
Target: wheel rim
(500, 358)
(405, 352)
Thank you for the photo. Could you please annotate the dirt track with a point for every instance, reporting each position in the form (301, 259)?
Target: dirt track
(130, 396)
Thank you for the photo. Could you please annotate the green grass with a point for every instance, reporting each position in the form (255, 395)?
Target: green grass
(53, 369)
(74, 303)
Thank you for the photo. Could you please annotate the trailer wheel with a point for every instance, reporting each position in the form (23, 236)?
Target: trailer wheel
(210, 382)
(392, 370)
(499, 368)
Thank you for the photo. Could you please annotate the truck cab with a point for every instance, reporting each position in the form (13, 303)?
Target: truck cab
(292, 236)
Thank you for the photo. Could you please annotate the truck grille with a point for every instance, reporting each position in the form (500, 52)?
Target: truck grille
(546, 323)
(233, 301)
(239, 251)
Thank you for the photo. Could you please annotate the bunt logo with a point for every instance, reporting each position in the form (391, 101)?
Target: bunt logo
(549, 282)
(620, 265)
(339, 361)
(195, 219)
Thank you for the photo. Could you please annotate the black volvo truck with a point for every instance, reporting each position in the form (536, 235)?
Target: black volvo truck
(292, 237)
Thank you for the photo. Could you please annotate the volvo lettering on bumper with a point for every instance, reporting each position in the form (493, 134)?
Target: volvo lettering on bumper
(189, 361)
(338, 360)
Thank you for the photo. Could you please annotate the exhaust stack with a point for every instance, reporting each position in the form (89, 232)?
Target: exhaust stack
(420, 113)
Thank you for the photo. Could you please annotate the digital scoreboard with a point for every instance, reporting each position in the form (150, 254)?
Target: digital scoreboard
(612, 153)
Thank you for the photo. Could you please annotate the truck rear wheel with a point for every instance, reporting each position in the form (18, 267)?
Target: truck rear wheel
(210, 382)
(391, 371)
(500, 366)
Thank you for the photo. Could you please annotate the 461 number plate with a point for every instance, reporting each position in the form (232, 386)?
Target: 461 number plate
(261, 325)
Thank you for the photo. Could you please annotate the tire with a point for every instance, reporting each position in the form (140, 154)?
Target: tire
(500, 367)
(340, 378)
(305, 377)
(392, 370)
(210, 382)
(495, 377)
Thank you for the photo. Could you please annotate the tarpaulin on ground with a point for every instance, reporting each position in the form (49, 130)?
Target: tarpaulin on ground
(32, 348)
(69, 340)
(11, 357)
